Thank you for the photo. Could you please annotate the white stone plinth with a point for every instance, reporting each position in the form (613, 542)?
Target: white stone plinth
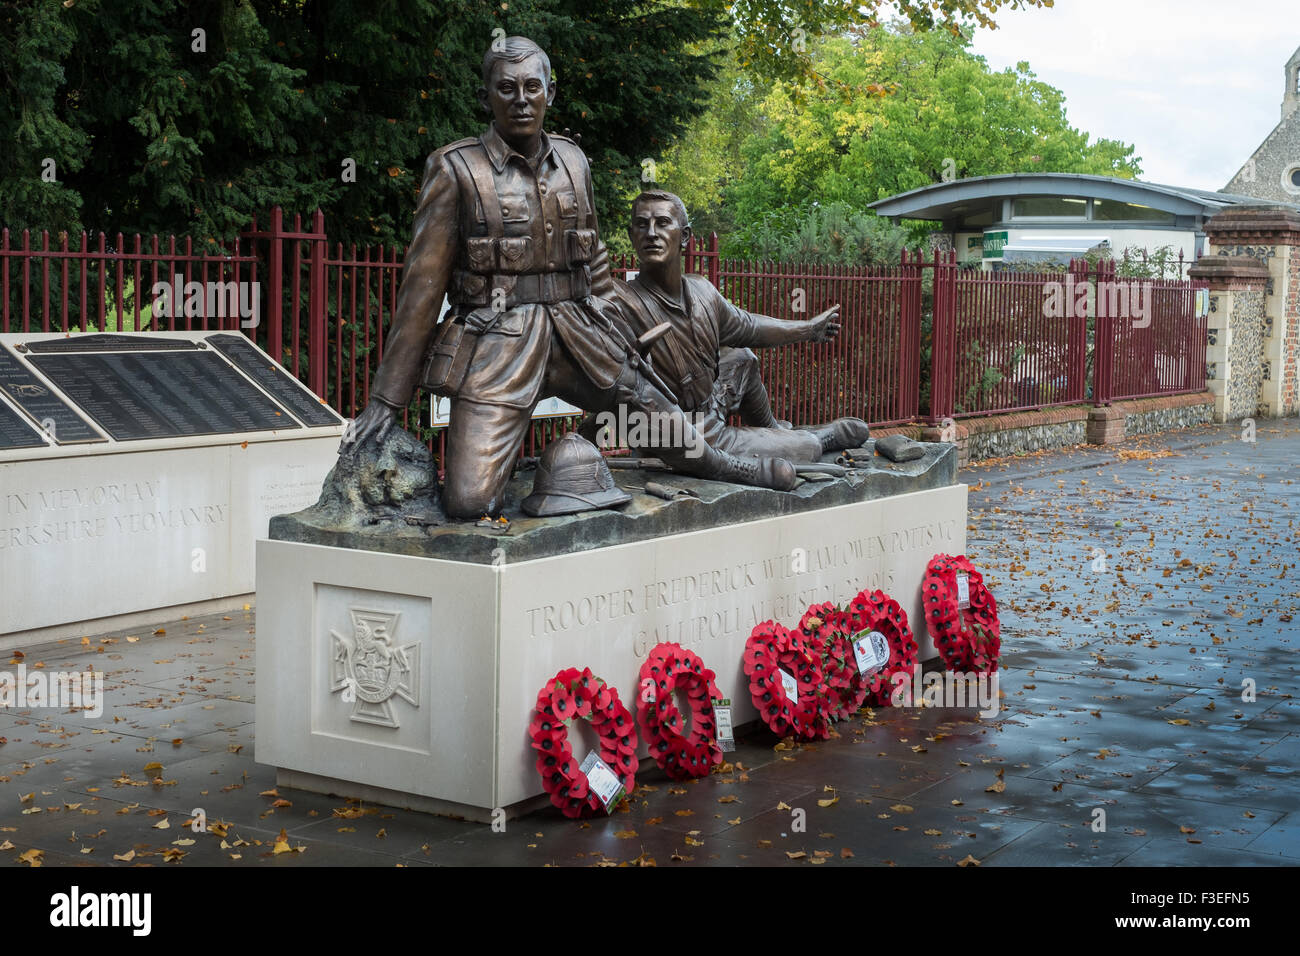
(477, 641)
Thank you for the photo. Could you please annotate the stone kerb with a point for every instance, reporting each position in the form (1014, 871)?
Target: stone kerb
(1233, 355)
(1271, 235)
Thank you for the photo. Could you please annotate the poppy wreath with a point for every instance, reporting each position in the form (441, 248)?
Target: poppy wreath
(826, 629)
(877, 611)
(771, 647)
(671, 667)
(968, 639)
(573, 694)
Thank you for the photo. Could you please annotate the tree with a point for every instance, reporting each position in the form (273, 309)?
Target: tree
(929, 109)
(167, 116)
(773, 37)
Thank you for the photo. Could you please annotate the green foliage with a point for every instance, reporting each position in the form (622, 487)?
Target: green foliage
(834, 234)
(926, 108)
(773, 38)
(149, 133)
(125, 322)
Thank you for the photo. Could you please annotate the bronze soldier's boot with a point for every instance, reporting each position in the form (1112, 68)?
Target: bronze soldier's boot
(775, 473)
(840, 434)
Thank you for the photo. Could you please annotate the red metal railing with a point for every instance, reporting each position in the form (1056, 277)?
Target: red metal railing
(1000, 342)
(1005, 341)
(109, 286)
(1149, 339)
(871, 370)
(1009, 341)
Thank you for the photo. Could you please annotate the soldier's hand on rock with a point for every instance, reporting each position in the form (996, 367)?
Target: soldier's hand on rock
(825, 326)
(374, 421)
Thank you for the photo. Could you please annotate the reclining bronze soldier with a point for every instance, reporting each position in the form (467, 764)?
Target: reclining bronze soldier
(506, 228)
(711, 381)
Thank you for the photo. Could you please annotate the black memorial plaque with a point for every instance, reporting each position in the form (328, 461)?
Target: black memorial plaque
(141, 395)
(16, 431)
(274, 380)
(41, 405)
(109, 342)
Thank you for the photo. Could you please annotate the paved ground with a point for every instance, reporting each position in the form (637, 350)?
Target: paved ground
(1138, 585)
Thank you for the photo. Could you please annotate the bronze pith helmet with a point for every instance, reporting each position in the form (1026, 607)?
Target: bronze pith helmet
(572, 476)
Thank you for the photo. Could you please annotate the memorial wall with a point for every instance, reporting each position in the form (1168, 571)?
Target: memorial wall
(136, 472)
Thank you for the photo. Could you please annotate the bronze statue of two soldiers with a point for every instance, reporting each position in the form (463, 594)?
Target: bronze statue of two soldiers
(506, 229)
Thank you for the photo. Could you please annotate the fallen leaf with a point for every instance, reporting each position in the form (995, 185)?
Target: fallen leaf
(829, 803)
(796, 855)
(126, 857)
(281, 844)
(625, 834)
(969, 861)
(32, 857)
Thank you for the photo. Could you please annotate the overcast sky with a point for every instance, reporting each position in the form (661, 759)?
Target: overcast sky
(1194, 85)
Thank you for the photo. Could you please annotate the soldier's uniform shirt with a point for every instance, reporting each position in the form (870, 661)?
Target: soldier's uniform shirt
(702, 323)
(548, 242)
(692, 356)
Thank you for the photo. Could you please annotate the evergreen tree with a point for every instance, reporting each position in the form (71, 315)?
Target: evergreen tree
(190, 117)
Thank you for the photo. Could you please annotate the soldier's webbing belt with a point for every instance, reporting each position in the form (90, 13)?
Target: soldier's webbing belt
(475, 290)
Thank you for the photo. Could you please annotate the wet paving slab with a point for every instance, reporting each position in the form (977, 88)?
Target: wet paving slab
(1148, 595)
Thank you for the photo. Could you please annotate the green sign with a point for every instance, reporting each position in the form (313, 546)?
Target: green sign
(993, 244)
(974, 242)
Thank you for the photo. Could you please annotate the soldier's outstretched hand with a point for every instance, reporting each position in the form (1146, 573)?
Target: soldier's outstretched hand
(374, 421)
(825, 326)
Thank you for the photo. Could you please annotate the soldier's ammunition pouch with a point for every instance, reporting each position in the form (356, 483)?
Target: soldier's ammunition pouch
(581, 246)
(448, 359)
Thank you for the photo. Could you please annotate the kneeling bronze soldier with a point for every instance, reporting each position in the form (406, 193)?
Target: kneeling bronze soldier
(506, 228)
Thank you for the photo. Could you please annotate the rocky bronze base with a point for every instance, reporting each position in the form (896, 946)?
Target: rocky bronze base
(405, 518)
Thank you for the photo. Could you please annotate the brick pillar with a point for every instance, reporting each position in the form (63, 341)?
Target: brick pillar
(1271, 236)
(1234, 351)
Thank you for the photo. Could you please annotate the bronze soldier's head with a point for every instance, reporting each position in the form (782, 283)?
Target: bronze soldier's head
(517, 88)
(660, 228)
